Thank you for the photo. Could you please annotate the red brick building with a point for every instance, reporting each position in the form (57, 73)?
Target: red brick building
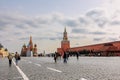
(65, 43)
(103, 49)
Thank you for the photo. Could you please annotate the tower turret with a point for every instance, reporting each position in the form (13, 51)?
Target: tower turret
(65, 43)
(65, 34)
(23, 50)
(31, 44)
(35, 50)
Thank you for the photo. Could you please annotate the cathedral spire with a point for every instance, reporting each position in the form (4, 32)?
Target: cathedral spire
(31, 43)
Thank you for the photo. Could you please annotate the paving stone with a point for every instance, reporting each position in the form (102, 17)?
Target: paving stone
(89, 68)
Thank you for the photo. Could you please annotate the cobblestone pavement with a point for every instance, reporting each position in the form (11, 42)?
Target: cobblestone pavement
(8, 73)
(44, 68)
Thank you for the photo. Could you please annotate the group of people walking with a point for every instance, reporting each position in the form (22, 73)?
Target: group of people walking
(10, 57)
(65, 56)
(56, 55)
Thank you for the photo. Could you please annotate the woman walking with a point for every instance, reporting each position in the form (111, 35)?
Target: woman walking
(10, 59)
(17, 57)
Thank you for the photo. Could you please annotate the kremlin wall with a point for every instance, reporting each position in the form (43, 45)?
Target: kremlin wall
(103, 49)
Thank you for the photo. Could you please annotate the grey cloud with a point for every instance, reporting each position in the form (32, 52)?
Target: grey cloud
(32, 23)
(7, 40)
(25, 38)
(65, 21)
(17, 20)
(98, 33)
(21, 26)
(94, 13)
(112, 39)
(1, 36)
(77, 44)
(70, 22)
(83, 21)
(44, 38)
(2, 23)
(57, 37)
(29, 32)
(101, 22)
(57, 18)
(52, 38)
(86, 31)
(77, 37)
(17, 33)
(24, 22)
(50, 19)
(42, 21)
(98, 39)
(6, 20)
(115, 22)
(39, 38)
(98, 16)
(80, 31)
(2, 28)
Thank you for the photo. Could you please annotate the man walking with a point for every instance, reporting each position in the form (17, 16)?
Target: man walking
(17, 57)
(10, 59)
(65, 57)
(55, 57)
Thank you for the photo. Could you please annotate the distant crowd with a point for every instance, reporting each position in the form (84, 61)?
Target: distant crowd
(65, 56)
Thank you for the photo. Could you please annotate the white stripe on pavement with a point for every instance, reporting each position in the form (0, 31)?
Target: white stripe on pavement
(53, 69)
(21, 72)
(38, 64)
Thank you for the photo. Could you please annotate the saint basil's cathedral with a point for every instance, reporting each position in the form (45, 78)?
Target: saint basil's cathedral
(29, 50)
(103, 49)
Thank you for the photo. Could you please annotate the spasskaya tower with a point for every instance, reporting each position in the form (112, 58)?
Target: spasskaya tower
(65, 43)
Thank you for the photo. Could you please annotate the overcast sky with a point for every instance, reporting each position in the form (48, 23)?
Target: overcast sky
(87, 22)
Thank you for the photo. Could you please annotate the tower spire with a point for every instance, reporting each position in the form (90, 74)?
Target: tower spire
(65, 43)
(30, 39)
(65, 29)
(31, 43)
(65, 35)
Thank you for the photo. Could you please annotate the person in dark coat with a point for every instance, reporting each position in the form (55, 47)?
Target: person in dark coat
(77, 55)
(55, 57)
(10, 59)
(65, 57)
(17, 57)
